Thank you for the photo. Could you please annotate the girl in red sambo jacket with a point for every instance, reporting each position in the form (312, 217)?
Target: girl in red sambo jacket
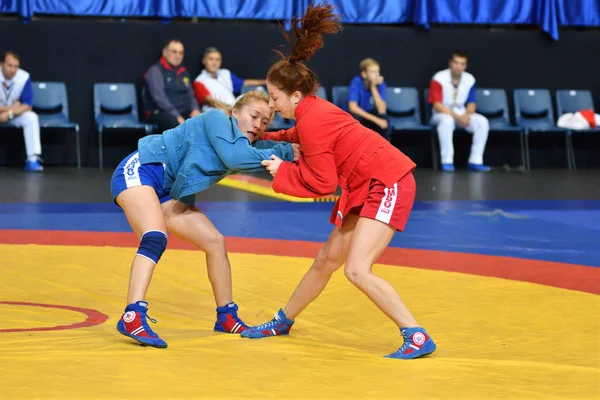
(378, 187)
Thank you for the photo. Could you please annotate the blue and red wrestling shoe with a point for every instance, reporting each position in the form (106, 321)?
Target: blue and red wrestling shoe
(417, 343)
(133, 323)
(279, 325)
(228, 320)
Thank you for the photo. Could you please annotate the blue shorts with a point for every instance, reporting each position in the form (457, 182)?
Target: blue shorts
(131, 173)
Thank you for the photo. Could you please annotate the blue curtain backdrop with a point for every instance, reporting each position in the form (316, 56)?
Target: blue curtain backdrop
(549, 14)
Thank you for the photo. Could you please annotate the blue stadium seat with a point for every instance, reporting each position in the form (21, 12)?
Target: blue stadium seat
(322, 93)
(116, 107)
(571, 101)
(493, 104)
(403, 109)
(51, 104)
(339, 96)
(246, 89)
(533, 113)
(404, 115)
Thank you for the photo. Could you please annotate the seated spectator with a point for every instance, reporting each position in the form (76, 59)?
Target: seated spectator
(167, 96)
(452, 94)
(222, 84)
(205, 99)
(367, 97)
(16, 102)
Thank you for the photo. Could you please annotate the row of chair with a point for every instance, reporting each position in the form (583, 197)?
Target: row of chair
(533, 113)
(116, 107)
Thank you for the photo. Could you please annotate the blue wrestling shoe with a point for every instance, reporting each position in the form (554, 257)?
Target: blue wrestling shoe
(478, 167)
(34, 165)
(228, 320)
(417, 343)
(280, 325)
(447, 167)
(133, 324)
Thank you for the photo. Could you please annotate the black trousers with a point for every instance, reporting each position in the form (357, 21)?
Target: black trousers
(165, 120)
(374, 127)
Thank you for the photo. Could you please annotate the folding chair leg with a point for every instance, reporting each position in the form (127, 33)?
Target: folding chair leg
(434, 153)
(522, 146)
(78, 146)
(100, 155)
(568, 151)
(527, 156)
(572, 151)
(67, 146)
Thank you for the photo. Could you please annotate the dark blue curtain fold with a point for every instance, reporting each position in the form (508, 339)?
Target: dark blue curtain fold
(24, 8)
(107, 8)
(579, 12)
(548, 14)
(238, 9)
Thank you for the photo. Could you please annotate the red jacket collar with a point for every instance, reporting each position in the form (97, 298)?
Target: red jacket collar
(303, 106)
(168, 66)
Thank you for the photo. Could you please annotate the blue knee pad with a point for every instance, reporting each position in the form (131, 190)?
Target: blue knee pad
(153, 245)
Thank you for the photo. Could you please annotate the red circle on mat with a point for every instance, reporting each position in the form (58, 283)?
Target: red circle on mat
(93, 317)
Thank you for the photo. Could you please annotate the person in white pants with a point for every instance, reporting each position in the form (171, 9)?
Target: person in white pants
(16, 101)
(452, 95)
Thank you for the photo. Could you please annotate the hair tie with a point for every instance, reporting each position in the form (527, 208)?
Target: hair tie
(292, 60)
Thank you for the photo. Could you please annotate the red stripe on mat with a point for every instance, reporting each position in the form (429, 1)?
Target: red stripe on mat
(562, 275)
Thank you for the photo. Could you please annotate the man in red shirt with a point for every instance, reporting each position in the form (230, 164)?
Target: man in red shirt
(167, 93)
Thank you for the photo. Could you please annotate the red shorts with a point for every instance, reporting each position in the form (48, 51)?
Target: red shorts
(389, 205)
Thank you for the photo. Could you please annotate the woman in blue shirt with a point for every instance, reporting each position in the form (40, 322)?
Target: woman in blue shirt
(156, 186)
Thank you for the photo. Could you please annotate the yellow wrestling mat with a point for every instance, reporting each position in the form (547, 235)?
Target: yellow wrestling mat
(497, 339)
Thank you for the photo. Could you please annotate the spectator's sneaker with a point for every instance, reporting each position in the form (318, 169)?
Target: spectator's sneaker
(228, 320)
(280, 325)
(133, 324)
(448, 167)
(34, 166)
(417, 343)
(478, 167)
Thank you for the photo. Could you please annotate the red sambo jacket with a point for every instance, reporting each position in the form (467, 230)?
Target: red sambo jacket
(336, 150)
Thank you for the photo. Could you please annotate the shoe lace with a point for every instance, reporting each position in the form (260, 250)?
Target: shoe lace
(145, 323)
(407, 342)
(269, 324)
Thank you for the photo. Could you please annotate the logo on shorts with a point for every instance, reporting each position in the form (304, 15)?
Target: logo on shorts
(129, 316)
(418, 338)
(387, 204)
(390, 194)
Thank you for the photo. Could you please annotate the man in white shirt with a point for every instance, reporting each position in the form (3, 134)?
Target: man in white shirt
(16, 103)
(452, 94)
(222, 84)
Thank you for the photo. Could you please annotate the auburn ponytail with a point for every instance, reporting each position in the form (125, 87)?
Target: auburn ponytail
(309, 30)
(290, 73)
